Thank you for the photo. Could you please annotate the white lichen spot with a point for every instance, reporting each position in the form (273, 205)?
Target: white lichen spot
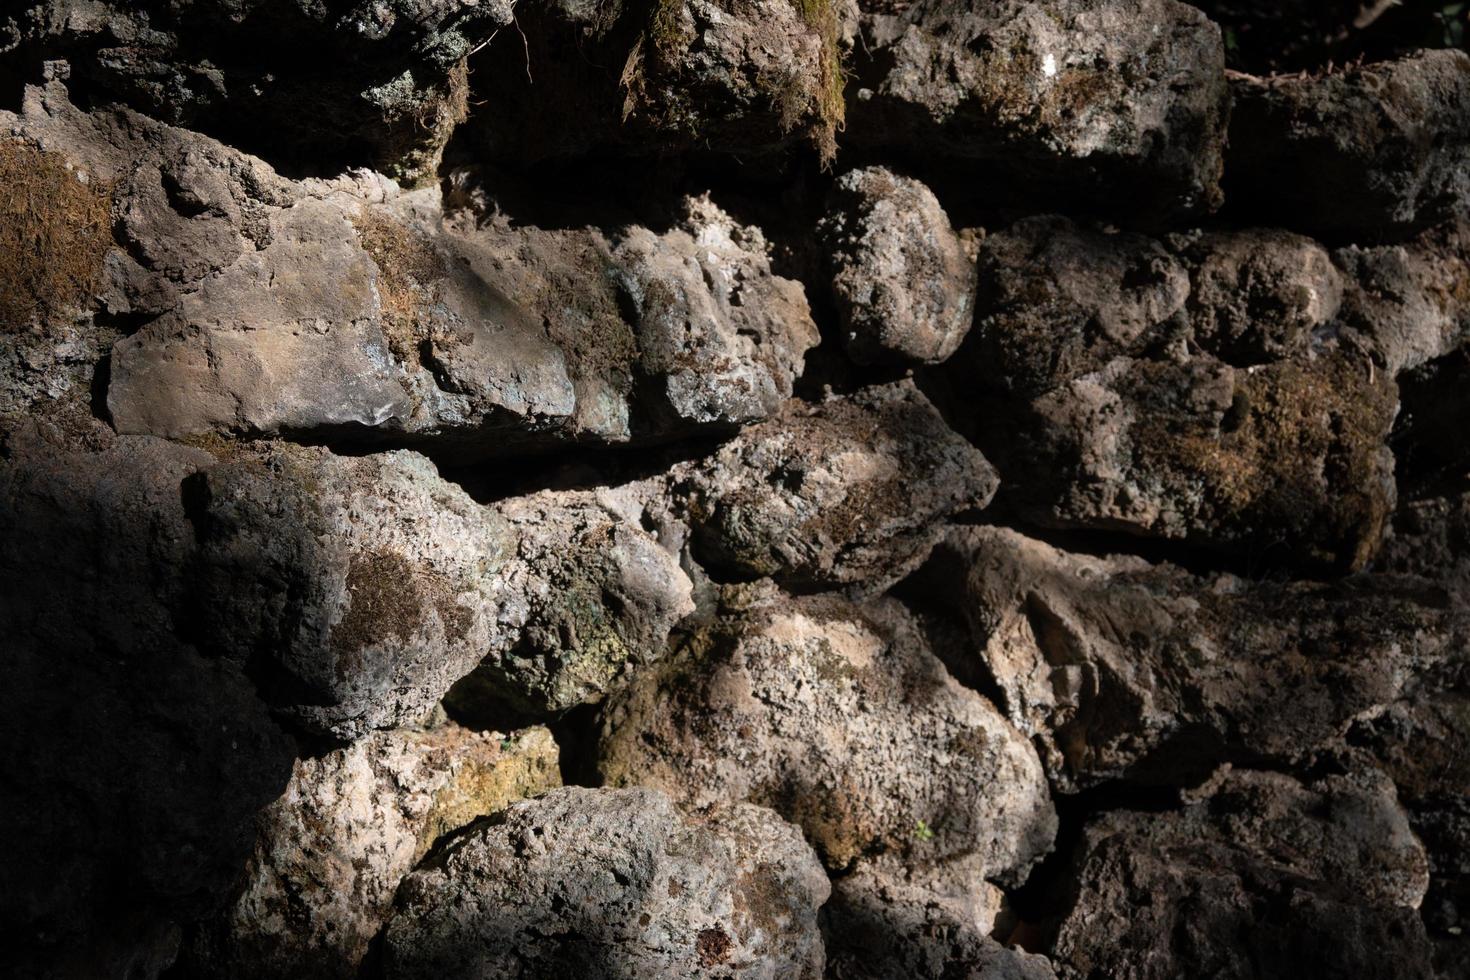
(1049, 66)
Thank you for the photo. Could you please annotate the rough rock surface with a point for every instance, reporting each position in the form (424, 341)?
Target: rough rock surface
(888, 919)
(1420, 741)
(594, 596)
(1379, 148)
(839, 718)
(372, 585)
(1097, 103)
(901, 451)
(1264, 877)
(352, 823)
(614, 883)
(384, 80)
(1119, 668)
(363, 586)
(903, 280)
(465, 339)
(1133, 388)
(732, 76)
(1431, 538)
(136, 758)
(1409, 303)
(846, 492)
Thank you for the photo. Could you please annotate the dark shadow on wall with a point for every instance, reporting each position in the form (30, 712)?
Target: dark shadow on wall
(134, 763)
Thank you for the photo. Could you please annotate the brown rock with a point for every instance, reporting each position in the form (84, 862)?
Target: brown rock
(1372, 149)
(903, 281)
(846, 492)
(1263, 877)
(1120, 669)
(1117, 106)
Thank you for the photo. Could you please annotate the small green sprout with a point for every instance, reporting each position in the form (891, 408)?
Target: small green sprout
(923, 831)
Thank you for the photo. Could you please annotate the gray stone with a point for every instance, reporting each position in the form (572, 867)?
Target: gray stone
(366, 586)
(136, 757)
(1431, 538)
(369, 83)
(1421, 741)
(597, 597)
(891, 919)
(839, 718)
(373, 585)
(729, 76)
(1407, 303)
(1115, 398)
(720, 335)
(418, 341)
(903, 280)
(332, 850)
(614, 883)
(1118, 105)
(1260, 295)
(847, 492)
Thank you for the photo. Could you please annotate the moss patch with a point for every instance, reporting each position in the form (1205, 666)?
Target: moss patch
(407, 265)
(1298, 455)
(388, 600)
(417, 135)
(831, 107)
(54, 232)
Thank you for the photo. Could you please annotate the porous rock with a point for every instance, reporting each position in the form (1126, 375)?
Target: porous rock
(908, 919)
(1264, 876)
(352, 823)
(597, 597)
(1123, 400)
(375, 585)
(1420, 741)
(1093, 103)
(614, 882)
(1376, 149)
(1431, 539)
(720, 336)
(1259, 296)
(365, 586)
(839, 718)
(1408, 303)
(902, 278)
(1121, 669)
(846, 492)
(729, 76)
(460, 337)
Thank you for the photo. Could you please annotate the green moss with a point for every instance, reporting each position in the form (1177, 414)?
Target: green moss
(418, 124)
